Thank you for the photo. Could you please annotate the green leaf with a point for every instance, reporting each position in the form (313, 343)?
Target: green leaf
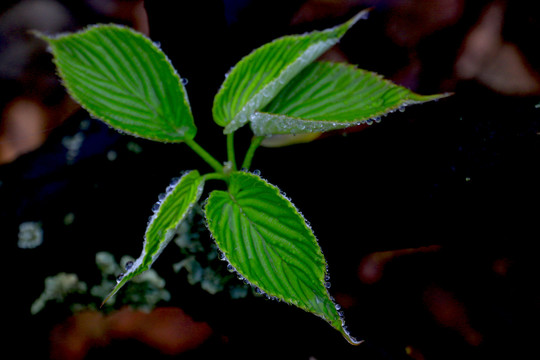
(259, 76)
(173, 207)
(327, 96)
(268, 242)
(119, 76)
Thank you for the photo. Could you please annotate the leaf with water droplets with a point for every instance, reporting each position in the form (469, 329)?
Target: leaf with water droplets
(259, 76)
(120, 77)
(170, 211)
(327, 96)
(268, 242)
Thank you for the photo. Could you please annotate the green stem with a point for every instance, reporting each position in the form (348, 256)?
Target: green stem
(215, 176)
(205, 155)
(255, 142)
(230, 151)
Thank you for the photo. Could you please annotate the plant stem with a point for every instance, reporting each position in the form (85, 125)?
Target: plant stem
(215, 176)
(230, 151)
(255, 142)
(204, 155)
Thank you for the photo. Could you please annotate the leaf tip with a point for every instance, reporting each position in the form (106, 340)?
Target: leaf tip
(442, 95)
(352, 340)
(362, 15)
(347, 335)
(107, 298)
(41, 35)
(118, 286)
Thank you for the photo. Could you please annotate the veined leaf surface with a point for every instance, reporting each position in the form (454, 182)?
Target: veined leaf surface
(268, 242)
(119, 76)
(172, 208)
(327, 96)
(259, 76)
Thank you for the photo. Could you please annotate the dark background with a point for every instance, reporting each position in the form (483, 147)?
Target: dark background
(428, 220)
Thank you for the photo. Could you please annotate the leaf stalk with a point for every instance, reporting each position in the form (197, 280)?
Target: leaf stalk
(210, 160)
(231, 157)
(255, 142)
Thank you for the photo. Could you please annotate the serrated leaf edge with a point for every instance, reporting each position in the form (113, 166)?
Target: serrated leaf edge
(262, 98)
(167, 238)
(339, 322)
(56, 37)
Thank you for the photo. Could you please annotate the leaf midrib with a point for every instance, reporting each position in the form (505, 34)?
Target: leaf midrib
(266, 244)
(137, 95)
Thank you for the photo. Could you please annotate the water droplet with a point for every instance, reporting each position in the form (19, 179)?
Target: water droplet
(155, 208)
(257, 172)
(326, 277)
(338, 307)
(222, 256)
(327, 285)
(129, 265)
(369, 121)
(401, 108)
(184, 81)
(162, 196)
(230, 268)
(244, 169)
(119, 277)
(377, 119)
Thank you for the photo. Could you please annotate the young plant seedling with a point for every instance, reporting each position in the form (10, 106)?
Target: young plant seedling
(122, 78)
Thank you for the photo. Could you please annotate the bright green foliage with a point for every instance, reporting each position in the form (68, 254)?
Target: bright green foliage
(327, 96)
(258, 77)
(122, 78)
(173, 207)
(268, 242)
